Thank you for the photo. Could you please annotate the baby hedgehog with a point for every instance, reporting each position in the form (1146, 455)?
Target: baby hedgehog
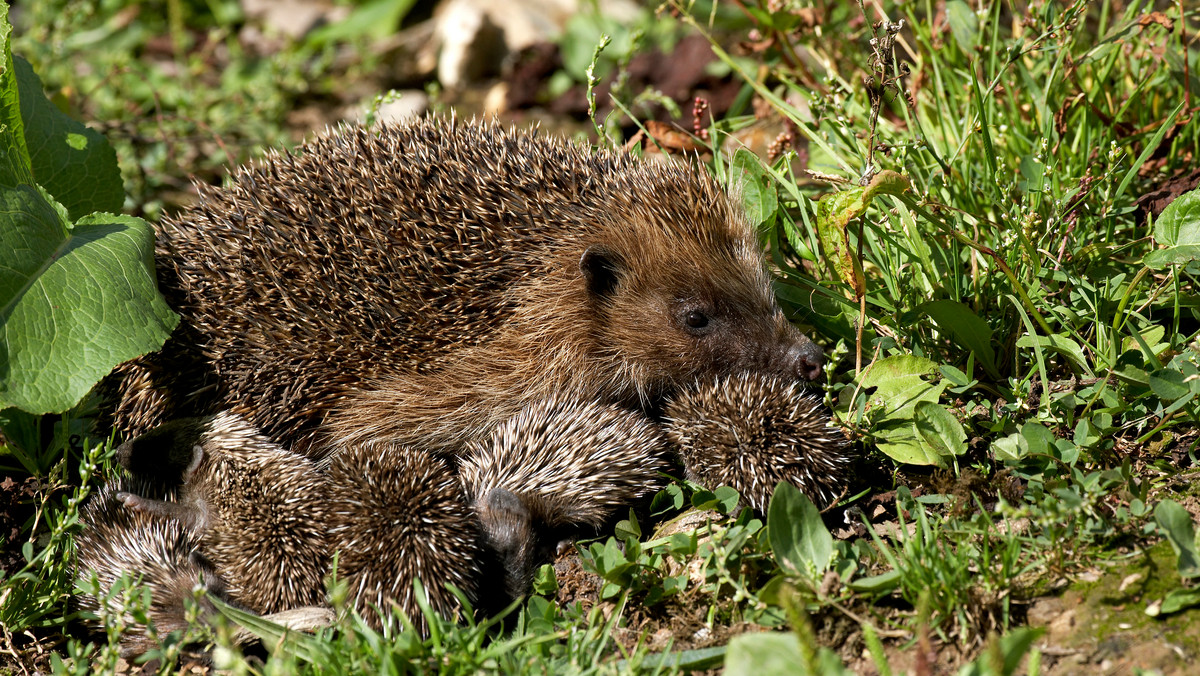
(396, 515)
(418, 285)
(258, 509)
(750, 432)
(159, 551)
(557, 466)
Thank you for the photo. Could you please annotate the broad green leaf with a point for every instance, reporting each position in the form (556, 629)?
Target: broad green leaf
(1181, 254)
(799, 539)
(1038, 438)
(1152, 337)
(1009, 448)
(1169, 385)
(1060, 344)
(900, 382)
(727, 499)
(963, 24)
(1128, 373)
(74, 301)
(763, 654)
(965, 328)
(15, 167)
(877, 584)
(1179, 223)
(903, 443)
(76, 165)
(1176, 524)
(1034, 174)
(939, 430)
(756, 186)
(1180, 599)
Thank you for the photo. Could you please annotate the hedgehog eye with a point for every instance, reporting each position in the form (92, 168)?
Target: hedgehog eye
(696, 319)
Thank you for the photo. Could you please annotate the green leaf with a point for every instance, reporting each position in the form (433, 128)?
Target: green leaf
(1169, 385)
(1176, 524)
(1176, 255)
(940, 430)
(763, 654)
(1178, 227)
(1180, 222)
(544, 580)
(900, 382)
(1180, 599)
(1034, 174)
(76, 165)
(1060, 344)
(963, 24)
(799, 539)
(899, 385)
(965, 328)
(905, 444)
(756, 186)
(74, 301)
(834, 213)
(877, 584)
(727, 499)
(15, 167)
(1009, 448)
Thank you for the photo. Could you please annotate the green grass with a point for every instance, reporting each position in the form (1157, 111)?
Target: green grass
(1006, 290)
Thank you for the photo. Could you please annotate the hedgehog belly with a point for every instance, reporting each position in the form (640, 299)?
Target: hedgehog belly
(751, 432)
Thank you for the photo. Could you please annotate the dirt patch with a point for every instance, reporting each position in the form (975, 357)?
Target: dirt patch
(1102, 627)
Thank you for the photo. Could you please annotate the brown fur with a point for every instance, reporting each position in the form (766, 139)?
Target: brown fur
(422, 284)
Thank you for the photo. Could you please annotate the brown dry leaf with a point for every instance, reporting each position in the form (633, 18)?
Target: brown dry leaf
(671, 138)
(1155, 201)
(1156, 18)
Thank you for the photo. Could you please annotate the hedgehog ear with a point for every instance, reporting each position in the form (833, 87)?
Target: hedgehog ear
(601, 269)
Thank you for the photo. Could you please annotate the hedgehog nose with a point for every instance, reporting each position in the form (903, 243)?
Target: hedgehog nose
(807, 359)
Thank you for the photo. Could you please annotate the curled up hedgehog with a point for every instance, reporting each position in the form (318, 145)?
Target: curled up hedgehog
(751, 432)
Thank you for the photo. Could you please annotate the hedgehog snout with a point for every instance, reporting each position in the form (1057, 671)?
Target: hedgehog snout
(806, 358)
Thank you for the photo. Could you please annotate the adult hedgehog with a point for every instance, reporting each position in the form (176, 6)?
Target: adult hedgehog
(421, 284)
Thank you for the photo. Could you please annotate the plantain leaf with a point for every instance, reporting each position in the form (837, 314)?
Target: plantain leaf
(965, 328)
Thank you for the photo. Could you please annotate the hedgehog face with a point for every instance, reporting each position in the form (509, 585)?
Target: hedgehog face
(706, 309)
